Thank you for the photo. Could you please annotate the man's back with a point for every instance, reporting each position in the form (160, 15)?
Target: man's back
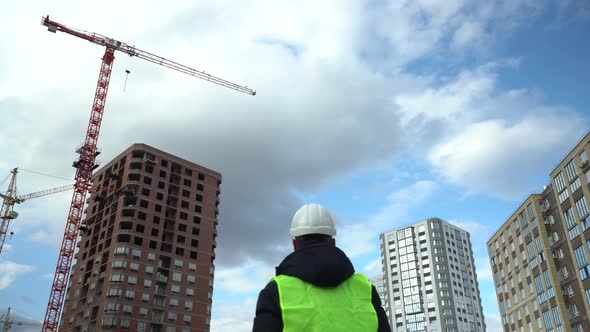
(318, 270)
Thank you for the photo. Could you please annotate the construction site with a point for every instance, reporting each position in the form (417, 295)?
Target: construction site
(146, 222)
(411, 166)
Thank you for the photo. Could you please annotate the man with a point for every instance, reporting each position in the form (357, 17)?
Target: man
(316, 288)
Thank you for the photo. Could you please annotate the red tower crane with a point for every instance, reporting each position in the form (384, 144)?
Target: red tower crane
(86, 163)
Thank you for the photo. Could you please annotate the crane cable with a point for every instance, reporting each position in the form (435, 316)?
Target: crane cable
(44, 174)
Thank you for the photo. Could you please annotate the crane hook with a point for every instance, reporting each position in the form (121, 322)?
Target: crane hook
(126, 76)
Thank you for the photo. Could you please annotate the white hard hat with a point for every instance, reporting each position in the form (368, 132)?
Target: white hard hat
(312, 219)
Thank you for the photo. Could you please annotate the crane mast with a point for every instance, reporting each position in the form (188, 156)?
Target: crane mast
(7, 211)
(86, 163)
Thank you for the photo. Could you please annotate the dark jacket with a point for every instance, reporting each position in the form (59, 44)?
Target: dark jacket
(322, 265)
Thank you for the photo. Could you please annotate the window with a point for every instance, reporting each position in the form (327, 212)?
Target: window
(571, 223)
(119, 264)
(192, 266)
(114, 292)
(151, 257)
(127, 308)
(190, 292)
(109, 322)
(121, 251)
(539, 284)
(178, 263)
(171, 315)
(129, 294)
(125, 323)
(563, 196)
(188, 305)
(190, 278)
(556, 317)
(569, 218)
(145, 297)
(147, 283)
(149, 269)
(116, 277)
(143, 311)
(580, 256)
(136, 253)
(547, 320)
(559, 183)
(175, 289)
(574, 232)
(134, 266)
(132, 280)
(582, 207)
(582, 262)
(174, 302)
(176, 276)
(570, 169)
(531, 213)
(111, 307)
(575, 185)
(187, 318)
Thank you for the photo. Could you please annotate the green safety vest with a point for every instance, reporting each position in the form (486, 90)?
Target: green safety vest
(346, 307)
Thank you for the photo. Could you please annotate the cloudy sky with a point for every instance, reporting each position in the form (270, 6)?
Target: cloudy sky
(387, 112)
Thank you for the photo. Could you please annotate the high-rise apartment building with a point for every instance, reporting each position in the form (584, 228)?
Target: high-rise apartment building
(430, 279)
(539, 257)
(146, 249)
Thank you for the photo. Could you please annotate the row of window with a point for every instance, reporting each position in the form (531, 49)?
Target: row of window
(130, 294)
(112, 322)
(175, 168)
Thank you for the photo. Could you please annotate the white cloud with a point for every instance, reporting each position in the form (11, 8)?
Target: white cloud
(474, 228)
(479, 233)
(7, 248)
(467, 33)
(504, 159)
(484, 271)
(493, 323)
(360, 238)
(9, 271)
(48, 276)
(373, 268)
(411, 30)
(235, 318)
(457, 100)
(249, 277)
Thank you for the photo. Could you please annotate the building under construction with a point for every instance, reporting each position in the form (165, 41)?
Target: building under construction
(145, 254)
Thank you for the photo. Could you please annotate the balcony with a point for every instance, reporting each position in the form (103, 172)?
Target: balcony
(161, 279)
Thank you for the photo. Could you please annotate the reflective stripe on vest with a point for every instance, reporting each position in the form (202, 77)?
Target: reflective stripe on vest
(308, 308)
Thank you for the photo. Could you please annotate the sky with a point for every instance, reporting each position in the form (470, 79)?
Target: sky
(386, 112)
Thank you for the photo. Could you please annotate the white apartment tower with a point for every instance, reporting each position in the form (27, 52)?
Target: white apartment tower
(429, 279)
